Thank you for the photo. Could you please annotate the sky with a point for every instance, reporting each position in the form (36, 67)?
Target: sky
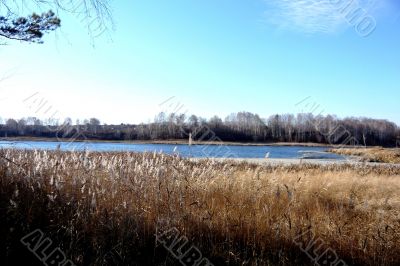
(211, 57)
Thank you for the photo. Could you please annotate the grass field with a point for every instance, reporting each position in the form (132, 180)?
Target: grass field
(107, 208)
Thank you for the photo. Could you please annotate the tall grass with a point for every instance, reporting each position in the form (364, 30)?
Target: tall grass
(380, 155)
(105, 208)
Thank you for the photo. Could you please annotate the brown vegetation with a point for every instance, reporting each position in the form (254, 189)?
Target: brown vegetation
(105, 208)
(380, 155)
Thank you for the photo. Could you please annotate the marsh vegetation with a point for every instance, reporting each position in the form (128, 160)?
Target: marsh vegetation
(106, 208)
(376, 154)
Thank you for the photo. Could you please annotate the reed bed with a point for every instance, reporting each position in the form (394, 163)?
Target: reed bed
(380, 155)
(106, 208)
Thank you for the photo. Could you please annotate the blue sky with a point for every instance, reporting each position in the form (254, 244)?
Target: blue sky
(215, 57)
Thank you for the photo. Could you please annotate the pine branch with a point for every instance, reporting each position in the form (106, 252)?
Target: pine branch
(29, 29)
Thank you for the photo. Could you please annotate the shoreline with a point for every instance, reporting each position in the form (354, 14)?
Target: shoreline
(172, 142)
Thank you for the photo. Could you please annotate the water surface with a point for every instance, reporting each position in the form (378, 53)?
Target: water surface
(198, 151)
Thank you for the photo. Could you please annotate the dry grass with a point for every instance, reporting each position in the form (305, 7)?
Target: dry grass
(381, 155)
(105, 208)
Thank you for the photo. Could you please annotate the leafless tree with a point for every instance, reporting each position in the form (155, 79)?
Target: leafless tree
(242, 126)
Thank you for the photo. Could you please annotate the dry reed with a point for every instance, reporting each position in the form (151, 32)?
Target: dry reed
(380, 155)
(105, 208)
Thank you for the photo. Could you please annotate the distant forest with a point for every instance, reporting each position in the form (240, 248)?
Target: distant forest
(238, 127)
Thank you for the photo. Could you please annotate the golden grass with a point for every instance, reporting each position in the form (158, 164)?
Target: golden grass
(105, 208)
(381, 155)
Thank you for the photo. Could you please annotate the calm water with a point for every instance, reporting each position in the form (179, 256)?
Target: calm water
(184, 150)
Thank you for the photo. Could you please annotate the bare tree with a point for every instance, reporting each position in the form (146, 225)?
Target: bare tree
(193, 121)
(215, 122)
(243, 126)
(94, 124)
(11, 126)
(68, 121)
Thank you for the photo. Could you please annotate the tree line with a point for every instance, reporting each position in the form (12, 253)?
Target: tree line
(237, 127)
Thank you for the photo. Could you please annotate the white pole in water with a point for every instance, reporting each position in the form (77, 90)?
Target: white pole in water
(190, 144)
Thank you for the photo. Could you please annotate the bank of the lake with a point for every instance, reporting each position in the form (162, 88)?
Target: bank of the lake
(171, 142)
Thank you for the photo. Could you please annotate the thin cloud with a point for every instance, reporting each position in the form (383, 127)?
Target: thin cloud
(309, 16)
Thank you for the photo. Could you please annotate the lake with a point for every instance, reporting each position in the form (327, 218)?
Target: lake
(198, 151)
